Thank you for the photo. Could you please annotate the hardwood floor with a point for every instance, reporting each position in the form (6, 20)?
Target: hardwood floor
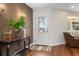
(61, 50)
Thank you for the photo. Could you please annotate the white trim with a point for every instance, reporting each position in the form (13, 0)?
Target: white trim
(32, 44)
(50, 44)
(57, 44)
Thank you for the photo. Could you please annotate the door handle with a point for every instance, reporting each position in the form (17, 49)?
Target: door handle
(47, 30)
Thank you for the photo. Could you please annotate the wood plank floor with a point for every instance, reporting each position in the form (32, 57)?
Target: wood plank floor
(61, 50)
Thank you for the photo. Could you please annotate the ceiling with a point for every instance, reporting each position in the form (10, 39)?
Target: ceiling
(65, 6)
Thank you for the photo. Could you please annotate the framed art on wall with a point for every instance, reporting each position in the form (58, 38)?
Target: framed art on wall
(74, 23)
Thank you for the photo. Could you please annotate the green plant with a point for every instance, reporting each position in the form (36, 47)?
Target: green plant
(17, 23)
(12, 22)
(21, 21)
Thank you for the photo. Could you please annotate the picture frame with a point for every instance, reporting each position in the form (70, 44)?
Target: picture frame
(74, 24)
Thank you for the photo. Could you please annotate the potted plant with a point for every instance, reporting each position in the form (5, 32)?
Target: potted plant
(18, 24)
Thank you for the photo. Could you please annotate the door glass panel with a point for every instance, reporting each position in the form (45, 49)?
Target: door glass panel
(42, 24)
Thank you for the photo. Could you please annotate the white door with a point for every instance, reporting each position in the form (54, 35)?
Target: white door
(43, 31)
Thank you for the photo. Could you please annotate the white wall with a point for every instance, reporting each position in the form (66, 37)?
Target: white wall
(57, 20)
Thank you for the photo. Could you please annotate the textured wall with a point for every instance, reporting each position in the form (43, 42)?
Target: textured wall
(16, 10)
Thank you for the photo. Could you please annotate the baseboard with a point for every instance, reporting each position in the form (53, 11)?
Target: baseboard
(32, 44)
(62, 43)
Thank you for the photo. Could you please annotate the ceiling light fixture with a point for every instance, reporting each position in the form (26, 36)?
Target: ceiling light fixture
(72, 6)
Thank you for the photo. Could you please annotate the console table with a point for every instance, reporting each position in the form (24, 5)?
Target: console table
(8, 43)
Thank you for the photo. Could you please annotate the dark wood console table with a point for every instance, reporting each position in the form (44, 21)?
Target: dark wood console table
(7, 44)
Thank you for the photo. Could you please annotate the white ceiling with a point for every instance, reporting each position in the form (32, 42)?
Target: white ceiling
(66, 6)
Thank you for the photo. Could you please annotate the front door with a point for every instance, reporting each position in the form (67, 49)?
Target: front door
(43, 37)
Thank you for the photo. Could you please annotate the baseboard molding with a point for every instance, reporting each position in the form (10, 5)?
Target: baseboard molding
(32, 44)
(62, 43)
